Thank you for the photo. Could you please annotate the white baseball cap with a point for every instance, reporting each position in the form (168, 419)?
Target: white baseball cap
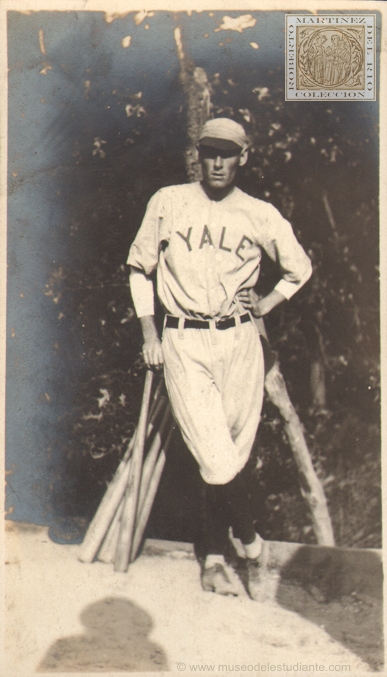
(223, 133)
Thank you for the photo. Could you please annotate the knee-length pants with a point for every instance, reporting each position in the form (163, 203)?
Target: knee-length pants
(215, 382)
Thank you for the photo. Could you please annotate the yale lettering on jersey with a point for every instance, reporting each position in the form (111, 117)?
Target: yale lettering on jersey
(206, 238)
(186, 238)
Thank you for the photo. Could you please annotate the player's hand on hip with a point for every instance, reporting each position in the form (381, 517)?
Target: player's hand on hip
(153, 353)
(250, 301)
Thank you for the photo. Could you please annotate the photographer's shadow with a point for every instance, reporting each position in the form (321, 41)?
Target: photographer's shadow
(115, 639)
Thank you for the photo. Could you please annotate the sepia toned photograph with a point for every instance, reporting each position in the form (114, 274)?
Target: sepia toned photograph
(193, 373)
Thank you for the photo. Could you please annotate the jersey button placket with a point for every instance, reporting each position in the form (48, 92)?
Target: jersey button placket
(212, 280)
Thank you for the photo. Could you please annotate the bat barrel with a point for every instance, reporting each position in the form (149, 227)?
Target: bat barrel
(132, 491)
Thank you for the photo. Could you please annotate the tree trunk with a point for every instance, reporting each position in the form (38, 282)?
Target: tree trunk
(197, 91)
(317, 384)
(311, 487)
(318, 362)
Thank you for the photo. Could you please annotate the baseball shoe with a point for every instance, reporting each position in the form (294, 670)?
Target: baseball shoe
(216, 579)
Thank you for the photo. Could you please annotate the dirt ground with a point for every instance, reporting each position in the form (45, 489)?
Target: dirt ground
(66, 616)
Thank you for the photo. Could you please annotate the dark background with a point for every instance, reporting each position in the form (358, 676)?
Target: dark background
(94, 130)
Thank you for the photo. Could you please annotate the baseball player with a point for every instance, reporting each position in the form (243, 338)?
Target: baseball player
(206, 239)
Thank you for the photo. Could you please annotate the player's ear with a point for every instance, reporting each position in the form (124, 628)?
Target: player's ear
(243, 157)
(197, 153)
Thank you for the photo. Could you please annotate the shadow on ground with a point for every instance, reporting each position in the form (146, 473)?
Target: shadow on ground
(115, 639)
(323, 585)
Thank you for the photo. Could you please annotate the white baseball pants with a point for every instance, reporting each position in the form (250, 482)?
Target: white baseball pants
(215, 382)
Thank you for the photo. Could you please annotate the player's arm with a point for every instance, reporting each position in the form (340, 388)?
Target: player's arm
(151, 350)
(142, 290)
(283, 248)
(257, 305)
(143, 261)
(280, 243)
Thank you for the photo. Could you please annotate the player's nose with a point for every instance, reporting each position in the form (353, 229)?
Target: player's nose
(218, 161)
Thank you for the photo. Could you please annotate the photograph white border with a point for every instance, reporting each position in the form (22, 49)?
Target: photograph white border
(123, 7)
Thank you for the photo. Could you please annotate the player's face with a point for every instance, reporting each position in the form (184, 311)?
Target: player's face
(220, 166)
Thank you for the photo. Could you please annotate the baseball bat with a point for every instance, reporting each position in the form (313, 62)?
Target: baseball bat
(151, 458)
(150, 496)
(132, 490)
(114, 493)
(105, 513)
(108, 548)
(156, 396)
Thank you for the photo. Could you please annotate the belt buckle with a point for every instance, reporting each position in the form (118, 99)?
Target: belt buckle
(229, 321)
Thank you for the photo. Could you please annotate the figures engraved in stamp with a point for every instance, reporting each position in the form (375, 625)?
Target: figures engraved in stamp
(330, 57)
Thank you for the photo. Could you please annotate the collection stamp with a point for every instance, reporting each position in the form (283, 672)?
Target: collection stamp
(330, 57)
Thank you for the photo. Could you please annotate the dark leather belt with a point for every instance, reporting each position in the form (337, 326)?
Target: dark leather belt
(173, 322)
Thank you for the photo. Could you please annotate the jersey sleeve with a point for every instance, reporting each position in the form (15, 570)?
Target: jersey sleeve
(283, 248)
(141, 287)
(144, 252)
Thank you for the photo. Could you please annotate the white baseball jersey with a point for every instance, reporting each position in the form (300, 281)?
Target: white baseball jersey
(206, 251)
